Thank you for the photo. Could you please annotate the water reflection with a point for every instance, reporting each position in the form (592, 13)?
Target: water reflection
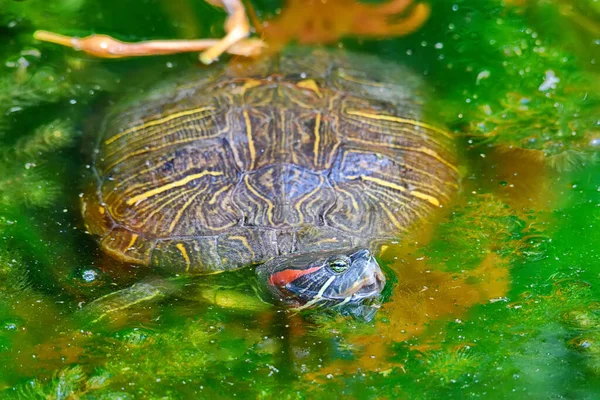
(422, 296)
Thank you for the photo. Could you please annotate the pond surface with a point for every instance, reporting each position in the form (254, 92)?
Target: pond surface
(499, 297)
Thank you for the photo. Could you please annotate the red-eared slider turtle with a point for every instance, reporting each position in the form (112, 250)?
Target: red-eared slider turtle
(303, 164)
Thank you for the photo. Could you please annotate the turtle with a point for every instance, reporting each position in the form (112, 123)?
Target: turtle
(301, 165)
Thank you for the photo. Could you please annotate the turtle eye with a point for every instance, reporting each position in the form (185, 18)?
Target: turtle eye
(338, 265)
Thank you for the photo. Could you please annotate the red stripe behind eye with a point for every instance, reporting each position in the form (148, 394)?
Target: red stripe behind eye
(284, 277)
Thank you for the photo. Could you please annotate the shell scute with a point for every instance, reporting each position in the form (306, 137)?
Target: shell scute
(283, 195)
(246, 246)
(128, 246)
(197, 254)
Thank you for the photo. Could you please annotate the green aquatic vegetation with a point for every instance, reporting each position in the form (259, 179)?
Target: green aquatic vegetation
(13, 274)
(69, 383)
(53, 15)
(483, 225)
(504, 348)
(25, 185)
(562, 126)
(578, 21)
(34, 193)
(26, 182)
(29, 183)
(34, 199)
(326, 324)
(23, 88)
(180, 349)
(523, 89)
(585, 318)
(550, 315)
(450, 365)
(541, 99)
(152, 363)
(14, 284)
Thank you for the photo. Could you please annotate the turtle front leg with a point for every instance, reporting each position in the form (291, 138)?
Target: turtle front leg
(234, 42)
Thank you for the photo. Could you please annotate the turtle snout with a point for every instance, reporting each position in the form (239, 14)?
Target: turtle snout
(372, 284)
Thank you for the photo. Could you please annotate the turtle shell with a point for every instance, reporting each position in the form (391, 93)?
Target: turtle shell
(229, 167)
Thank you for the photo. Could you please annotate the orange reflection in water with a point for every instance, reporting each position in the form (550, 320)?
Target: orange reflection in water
(421, 297)
(328, 21)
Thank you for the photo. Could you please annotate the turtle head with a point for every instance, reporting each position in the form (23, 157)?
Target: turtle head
(350, 281)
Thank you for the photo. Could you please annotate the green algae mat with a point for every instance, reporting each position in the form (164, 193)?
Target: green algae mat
(498, 298)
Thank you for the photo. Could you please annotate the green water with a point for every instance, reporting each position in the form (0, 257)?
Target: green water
(499, 298)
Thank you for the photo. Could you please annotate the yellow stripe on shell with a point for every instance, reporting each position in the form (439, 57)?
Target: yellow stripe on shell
(150, 150)
(426, 197)
(245, 243)
(328, 240)
(311, 85)
(157, 122)
(421, 183)
(251, 147)
(249, 84)
(414, 168)
(132, 241)
(317, 138)
(352, 199)
(159, 132)
(378, 196)
(378, 181)
(136, 175)
(330, 157)
(391, 118)
(388, 212)
(184, 253)
(213, 199)
(400, 131)
(257, 194)
(156, 210)
(298, 204)
(391, 185)
(182, 210)
(391, 216)
(141, 210)
(181, 182)
(355, 79)
(421, 149)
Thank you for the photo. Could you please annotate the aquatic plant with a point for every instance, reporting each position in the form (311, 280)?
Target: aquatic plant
(69, 383)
